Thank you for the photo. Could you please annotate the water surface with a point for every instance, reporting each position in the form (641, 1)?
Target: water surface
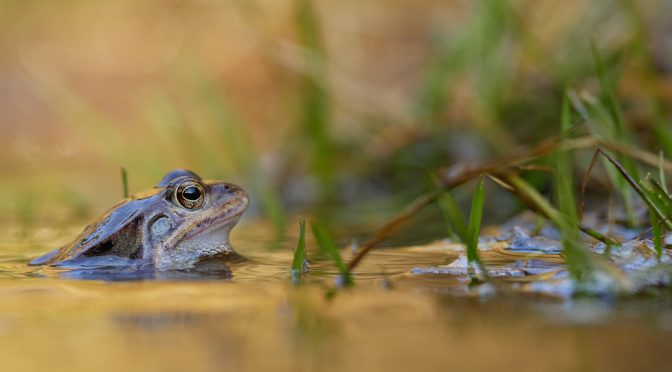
(392, 319)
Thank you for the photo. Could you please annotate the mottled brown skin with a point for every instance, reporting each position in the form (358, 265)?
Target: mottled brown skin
(162, 228)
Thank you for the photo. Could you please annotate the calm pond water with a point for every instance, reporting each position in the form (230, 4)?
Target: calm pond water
(395, 318)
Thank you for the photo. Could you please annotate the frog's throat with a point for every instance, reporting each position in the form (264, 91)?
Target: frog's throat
(208, 242)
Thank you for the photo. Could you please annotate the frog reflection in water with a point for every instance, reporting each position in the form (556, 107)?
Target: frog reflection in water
(182, 220)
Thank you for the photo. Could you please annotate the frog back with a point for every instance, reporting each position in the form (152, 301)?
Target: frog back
(117, 233)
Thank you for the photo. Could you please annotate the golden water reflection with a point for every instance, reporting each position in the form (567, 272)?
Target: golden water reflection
(259, 321)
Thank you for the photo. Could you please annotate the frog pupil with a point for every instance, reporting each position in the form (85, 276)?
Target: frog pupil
(191, 193)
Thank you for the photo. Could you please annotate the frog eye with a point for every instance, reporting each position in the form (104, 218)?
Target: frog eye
(190, 194)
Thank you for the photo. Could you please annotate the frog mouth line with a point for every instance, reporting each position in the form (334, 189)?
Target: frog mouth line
(216, 224)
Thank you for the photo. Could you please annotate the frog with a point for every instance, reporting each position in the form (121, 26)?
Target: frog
(180, 221)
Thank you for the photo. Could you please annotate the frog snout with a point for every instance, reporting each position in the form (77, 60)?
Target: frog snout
(236, 192)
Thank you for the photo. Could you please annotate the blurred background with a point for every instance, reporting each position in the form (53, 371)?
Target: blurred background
(314, 106)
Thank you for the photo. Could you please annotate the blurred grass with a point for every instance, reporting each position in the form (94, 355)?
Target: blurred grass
(314, 102)
(26, 212)
(613, 129)
(654, 91)
(580, 262)
(326, 244)
(455, 225)
(124, 182)
(567, 221)
(482, 54)
(245, 161)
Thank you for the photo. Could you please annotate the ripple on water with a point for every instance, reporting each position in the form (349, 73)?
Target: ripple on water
(404, 312)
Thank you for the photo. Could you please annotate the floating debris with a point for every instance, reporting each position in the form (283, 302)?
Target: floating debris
(461, 267)
(518, 253)
(521, 241)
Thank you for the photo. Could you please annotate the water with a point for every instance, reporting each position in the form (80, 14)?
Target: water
(397, 317)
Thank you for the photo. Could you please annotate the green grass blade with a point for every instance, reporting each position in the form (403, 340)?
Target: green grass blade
(579, 261)
(565, 172)
(639, 190)
(299, 263)
(450, 231)
(617, 132)
(434, 92)
(658, 195)
(273, 207)
(657, 234)
(564, 182)
(641, 53)
(474, 228)
(661, 173)
(455, 224)
(238, 144)
(124, 182)
(615, 113)
(26, 210)
(663, 134)
(327, 246)
(315, 99)
(565, 115)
